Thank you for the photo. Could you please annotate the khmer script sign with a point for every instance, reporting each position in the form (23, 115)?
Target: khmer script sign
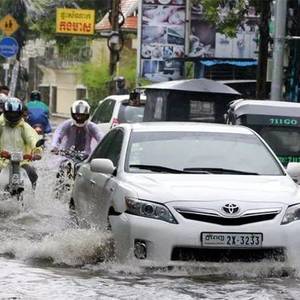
(75, 21)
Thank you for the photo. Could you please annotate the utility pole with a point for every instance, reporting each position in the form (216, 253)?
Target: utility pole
(261, 73)
(114, 41)
(278, 50)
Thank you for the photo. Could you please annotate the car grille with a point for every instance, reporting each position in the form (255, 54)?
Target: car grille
(227, 255)
(216, 218)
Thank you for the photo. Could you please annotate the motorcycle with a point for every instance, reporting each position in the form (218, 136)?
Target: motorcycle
(67, 170)
(13, 178)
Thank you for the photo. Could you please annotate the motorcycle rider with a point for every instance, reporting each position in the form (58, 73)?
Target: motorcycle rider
(17, 135)
(77, 132)
(38, 112)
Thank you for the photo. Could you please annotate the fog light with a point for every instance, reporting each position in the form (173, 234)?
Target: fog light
(140, 249)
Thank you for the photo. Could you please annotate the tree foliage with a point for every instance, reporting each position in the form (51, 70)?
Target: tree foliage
(96, 78)
(226, 15)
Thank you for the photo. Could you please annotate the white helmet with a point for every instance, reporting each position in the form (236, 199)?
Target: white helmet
(80, 112)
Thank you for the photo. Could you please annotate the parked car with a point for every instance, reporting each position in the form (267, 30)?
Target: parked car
(117, 109)
(180, 191)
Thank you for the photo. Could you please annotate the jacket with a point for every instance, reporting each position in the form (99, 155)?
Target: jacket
(21, 137)
(67, 133)
(38, 113)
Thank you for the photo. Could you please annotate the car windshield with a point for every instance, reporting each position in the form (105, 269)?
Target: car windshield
(131, 114)
(199, 152)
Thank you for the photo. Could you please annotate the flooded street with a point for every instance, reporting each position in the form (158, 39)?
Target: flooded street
(44, 255)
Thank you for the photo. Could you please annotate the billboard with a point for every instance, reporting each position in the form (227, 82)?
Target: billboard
(167, 35)
(162, 39)
(205, 41)
(75, 21)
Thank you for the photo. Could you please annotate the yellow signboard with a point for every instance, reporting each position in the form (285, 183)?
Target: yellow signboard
(75, 21)
(9, 25)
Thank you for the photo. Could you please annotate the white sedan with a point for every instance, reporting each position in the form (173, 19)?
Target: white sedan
(181, 191)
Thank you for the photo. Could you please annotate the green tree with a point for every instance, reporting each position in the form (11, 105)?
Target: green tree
(96, 77)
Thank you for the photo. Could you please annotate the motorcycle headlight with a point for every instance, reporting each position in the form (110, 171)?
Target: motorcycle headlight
(149, 209)
(292, 214)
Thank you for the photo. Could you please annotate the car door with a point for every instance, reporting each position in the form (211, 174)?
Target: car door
(104, 184)
(103, 115)
(81, 192)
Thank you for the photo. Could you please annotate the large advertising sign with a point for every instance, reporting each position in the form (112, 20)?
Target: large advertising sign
(206, 42)
(75, 21)
(162, 39)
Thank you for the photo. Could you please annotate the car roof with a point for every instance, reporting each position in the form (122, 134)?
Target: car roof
(120, 98)
(267, 107)
(186, 126)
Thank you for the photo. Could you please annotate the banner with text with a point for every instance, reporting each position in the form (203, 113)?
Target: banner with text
(75, 21)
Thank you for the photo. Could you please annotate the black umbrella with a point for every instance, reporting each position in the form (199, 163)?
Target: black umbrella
(201, 85)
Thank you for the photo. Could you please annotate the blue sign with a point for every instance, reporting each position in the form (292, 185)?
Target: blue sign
(8, 47)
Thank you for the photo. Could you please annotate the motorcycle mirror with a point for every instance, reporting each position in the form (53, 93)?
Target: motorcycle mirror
(40, 143)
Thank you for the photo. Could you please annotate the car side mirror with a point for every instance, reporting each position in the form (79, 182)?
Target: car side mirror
(293, 169)
(102, 165)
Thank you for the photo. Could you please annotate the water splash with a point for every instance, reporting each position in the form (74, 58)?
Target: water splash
(72, 247)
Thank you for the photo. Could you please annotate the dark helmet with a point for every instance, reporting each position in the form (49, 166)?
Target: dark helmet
(13, 110)
(120, 81)
(35, 95)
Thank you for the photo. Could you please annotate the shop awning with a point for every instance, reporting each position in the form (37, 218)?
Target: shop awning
(238, 63)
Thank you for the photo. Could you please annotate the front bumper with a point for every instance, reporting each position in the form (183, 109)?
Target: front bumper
(165, 242)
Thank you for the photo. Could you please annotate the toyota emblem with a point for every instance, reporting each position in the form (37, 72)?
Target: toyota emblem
(230, 208)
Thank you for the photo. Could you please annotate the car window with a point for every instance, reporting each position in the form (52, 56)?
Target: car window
(104, 111)
(130, 114)
(110, 147)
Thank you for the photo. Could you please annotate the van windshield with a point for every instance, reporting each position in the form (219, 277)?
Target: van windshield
(285, 142)
(281, 133)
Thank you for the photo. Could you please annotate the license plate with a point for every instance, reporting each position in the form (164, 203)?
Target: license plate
(231, 240)
(16, 156)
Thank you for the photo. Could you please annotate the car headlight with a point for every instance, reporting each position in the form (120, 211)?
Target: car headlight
(292, 214)
(149, 209)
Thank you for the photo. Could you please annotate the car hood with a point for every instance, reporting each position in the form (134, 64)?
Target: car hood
(198, 187)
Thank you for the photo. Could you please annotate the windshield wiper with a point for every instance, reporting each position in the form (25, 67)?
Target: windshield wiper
(163, 169)
(220, 171)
